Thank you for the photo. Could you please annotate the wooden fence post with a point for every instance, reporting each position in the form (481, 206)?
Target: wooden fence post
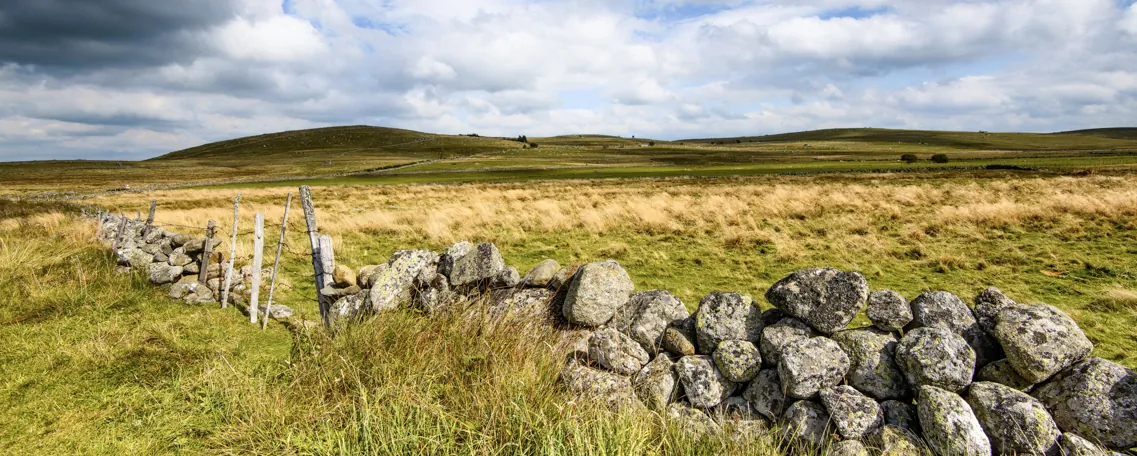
(150, 218)
(276, 263)
(327, 259)
(121, 231)
(258, 246)
(232, 255)
(313, 239)
(206, 252)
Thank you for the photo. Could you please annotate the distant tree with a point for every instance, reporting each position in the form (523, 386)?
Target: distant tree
(738, 141)
(534, 145)
(651, 143)
(909, 158)
(940, 158)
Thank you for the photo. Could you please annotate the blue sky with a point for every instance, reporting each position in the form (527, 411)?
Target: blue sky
(133, 79)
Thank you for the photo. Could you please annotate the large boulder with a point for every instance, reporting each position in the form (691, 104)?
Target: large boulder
(1096, 399)
(872, 357)
(347, 309)
(853, 414)
(826, 299)
(940, 309)
(1072, 445)
(617, 352)
(1014, 422)
(482, 264)
(530, 304)
(161, 274)
(936, 357)
(596, 292)
(988, 304)
(726, 316)
(1040, 340)
(451, 255)
(508, 278)
(950, 427)
(777, 336)
(657, 384)
(765, 395)
(647, 315)
(591, 383)
(541, 274)
(705, 386)
(738, 360)
(1003, 373)
(393, 286)
(807, 423)
(810, 365)
(888, 310)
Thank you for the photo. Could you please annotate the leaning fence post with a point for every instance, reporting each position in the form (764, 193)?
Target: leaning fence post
(258, 246)
(121, 231)
(313, 239)
(232, 255)
(327, 258)
(150, 218)
(206, 252)
(276, 263)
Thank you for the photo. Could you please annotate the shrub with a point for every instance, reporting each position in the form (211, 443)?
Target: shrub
(533, 145)
(940, 158)
(909, 158)
(651, 143)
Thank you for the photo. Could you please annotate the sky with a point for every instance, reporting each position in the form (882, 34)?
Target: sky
(132, 79)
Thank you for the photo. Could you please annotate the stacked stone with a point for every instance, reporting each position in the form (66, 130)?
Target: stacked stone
(1002, 378)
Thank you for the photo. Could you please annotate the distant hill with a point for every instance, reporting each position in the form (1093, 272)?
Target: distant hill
(1079, 140)
(1116, 133)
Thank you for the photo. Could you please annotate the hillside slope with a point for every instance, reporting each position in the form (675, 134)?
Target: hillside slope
(1083, 140)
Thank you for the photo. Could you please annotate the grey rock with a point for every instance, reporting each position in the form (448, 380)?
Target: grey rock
(563, 277)
(138, 258)
(149, 248)
(532, 304)
(852, 413)
(279, 312)
(590, 383)
(940, 309)
(765, 395)
(1040, 340)
(1073, 445)
(1096, 399)
(508, 278)
(901, 414)
(888, 310)
(179, 240)
(691, 420)
(177, 258)
(810, 365)
(777, 336)
(194, 246)
(647, 315)
(988, 304)
(183, 289)
(597, 291)
(678, 341)
(1014, 422)
(657, 384)
(826, 299)
(734, 408)
(936, 357)
(482, 264)
(192, 268)
(161, 258)
(393, 286)
(344, 277)
(347, 309)
(451, 255)
(336, 293)
(705, 386)
(950, 427)
(872, 357)
(434, 294)
(541, 274)
(364, 274)
(738, 360)
(894, 441)
(807, 423)
(848, 448)
(161, 274)
(726, 316)
(616, 352)
(1003, 373)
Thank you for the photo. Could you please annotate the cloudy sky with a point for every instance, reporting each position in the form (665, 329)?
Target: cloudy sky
(136, 78)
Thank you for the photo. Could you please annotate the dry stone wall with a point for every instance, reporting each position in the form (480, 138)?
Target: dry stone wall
(998, 377)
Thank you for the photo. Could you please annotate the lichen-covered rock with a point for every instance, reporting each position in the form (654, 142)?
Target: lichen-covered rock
(482, 264)
(597, 291)
(591, 383)
(1040, 340)
(738, 360)
(777, 336)
(705, 386)
(563, 277)
(900, 414)
(734, 408)
(394, 285)
(1096, 399)
(765, 395)
(888, 310)
(988, 304)
(1072, 445)
(177, 258)
(278, 312)
(894, 441)
(678, 341)
(950, 427)
(541, 274)
(657, 384)
(726, 316)
(432, 295)
(848, 448)
(508, 278)
(807, 423)
(1014, 422)
(347, 309)
(852, 413)
(826, 299)
(451, 255)
(872, 357)
(940, 309)
(1003, 373)
(363, 274)
(936, 357)
(137, 258)
(161, 274)
(810, 365)
(532, 304)
(646, 315)
(182, 289)
(616, 352)
(343, 276)
(691, 420)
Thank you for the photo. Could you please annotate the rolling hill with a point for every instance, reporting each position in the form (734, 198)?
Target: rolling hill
(1075, 140)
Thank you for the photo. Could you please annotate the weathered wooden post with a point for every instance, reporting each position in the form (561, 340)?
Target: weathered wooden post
(258, 246)
(276, 263)
(327, 259)
(313, 239)
(206, 252)
(150, 218)
(232, 255)
(121, 231)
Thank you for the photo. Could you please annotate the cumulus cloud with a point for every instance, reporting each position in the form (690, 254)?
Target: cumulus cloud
(136, 78)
